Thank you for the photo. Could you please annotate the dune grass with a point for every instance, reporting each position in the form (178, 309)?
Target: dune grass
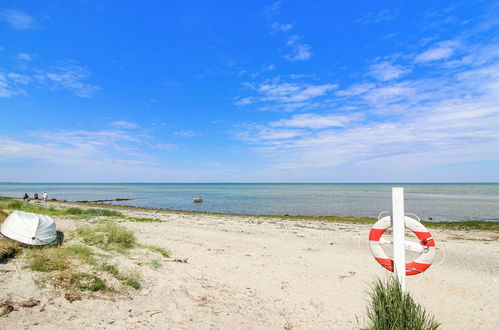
(8, 248)
(390, 308)
(3, 216)
(48, 259)
(108, 236)
(129, 278)
(78, 281)
(157, 249)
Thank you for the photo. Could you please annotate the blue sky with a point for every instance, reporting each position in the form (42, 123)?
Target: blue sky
(249, 91)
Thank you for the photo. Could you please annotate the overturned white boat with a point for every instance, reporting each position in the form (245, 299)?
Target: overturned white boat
(29, 228)
(197, 199)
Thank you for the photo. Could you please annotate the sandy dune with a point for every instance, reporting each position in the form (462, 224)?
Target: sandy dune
(255, 273)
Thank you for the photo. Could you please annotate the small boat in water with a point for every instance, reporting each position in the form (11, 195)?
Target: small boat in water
(197, 200)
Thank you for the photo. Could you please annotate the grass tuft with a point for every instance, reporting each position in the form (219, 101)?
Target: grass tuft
(108, 236)
(131, 279)
(157, 249)
(3, 216)
(71, 280)
(8, 249)
(390, 308)
(48, 259)
(155, 264)
(135, 219)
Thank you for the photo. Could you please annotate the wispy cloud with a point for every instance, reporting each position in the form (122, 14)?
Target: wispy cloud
(387, 71)
(124, 124)
(273, 9)
(287, 95)
(377, 17)
(17, 19)
(185, 133)
(25, 56)
(445, 115)
(299, 51)
(438, 52)
(68, 77)
(86, 155)
(281, 27)
(316, 121)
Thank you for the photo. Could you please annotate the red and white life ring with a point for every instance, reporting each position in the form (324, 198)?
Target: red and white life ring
(411, 268)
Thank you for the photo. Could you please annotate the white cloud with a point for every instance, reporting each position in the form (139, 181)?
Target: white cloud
(281, 27)
(385, 71)
(273, 9)
(444, 116)
(274, 90)
(390, 93)
(8, 86)
(438, 52)
(124, 124)
(24, 57)
(356, 89)
(241, 101)
(69, 77)
(299, 51)
(17, 19)
(185, 133)
(18, 78)
(316, 121)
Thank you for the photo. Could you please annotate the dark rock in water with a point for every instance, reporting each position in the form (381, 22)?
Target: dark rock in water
(105, 200)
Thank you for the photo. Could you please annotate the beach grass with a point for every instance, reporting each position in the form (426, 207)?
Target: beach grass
(129, 278)
(14, 204)
(8, 248)
(136, 219)
(3, 215)
(109, 236)
(48, 259)
(78, 281)
(157, 249)
(390, 308)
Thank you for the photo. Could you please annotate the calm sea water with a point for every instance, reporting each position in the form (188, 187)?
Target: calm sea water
(441, 202)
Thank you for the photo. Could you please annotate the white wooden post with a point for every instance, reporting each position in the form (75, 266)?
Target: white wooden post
(398, 226)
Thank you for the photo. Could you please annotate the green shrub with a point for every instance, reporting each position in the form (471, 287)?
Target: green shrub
(391, 309)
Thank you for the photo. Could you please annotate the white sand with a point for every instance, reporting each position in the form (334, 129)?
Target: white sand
(254, 273)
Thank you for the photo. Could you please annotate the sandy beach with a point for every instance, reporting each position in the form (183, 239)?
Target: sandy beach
(262, 273)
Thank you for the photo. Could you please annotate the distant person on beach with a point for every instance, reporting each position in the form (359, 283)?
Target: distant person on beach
(44, 196)
(26, 197)
(36, 196)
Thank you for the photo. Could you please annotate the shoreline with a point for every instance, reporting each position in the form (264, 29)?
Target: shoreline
(488, 225)
(454, 225)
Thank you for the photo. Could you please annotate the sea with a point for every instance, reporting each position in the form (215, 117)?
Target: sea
(430, 201)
